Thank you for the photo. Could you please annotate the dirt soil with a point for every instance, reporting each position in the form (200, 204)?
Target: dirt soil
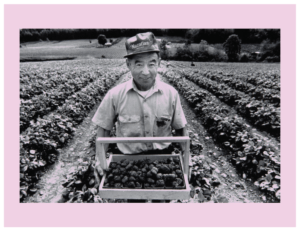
(233, 188)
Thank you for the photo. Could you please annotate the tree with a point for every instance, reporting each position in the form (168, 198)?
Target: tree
(35, 36)
(25, 36)
(102, 39)
(188, 43)
(232, 47)
(163, 46)
(203, 46)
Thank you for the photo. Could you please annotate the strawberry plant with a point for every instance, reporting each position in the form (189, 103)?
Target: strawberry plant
(252, 155)
(41, 141)
(257, 91)
(265, 116)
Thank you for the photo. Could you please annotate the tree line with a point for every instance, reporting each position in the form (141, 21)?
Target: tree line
(212, 36)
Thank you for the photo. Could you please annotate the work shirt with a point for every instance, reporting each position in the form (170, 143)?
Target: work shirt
(136, 116)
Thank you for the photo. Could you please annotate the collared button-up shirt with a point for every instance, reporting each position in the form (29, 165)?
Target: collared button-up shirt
(136, 116)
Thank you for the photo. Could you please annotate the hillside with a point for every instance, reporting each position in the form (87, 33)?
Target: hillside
(86, 48)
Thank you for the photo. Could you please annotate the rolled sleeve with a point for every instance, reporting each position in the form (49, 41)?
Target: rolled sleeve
(105, 114)
(179, 120)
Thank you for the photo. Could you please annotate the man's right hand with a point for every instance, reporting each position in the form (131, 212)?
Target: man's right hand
(98, 172)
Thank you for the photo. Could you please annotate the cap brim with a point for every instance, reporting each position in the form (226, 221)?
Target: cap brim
(141, 53)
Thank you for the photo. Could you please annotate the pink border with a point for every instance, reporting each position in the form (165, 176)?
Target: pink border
(133, 16)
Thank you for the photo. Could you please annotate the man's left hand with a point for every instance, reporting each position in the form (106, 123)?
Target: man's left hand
(98, 172)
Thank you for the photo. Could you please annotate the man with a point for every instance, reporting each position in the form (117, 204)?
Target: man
(144, 106)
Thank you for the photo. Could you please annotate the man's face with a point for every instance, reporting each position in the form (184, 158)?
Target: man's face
(144, 68)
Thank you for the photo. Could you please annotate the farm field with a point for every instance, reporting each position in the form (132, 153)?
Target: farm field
(83, 49)
(80, 49)
(245, 48)
(245, 68)
(235, 158)
(225, 125)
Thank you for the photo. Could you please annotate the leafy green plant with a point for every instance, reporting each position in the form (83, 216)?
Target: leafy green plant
(254, 157)
(41, 141)
(265, 116)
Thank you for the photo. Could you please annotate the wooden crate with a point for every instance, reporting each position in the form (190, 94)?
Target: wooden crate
(144, 194)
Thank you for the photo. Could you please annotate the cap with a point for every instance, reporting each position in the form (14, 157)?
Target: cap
(141, 43)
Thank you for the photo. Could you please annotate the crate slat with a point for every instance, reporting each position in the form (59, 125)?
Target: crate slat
(143, 139)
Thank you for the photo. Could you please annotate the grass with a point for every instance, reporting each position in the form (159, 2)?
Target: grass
(172, 39)
(245, 48)
(47, 58)
(231, 67)
(83, 49)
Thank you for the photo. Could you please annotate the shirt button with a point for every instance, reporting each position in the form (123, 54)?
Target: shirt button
(147, 132)
(146, 116)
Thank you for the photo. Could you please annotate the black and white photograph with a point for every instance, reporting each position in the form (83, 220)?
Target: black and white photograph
(176, 112)
(150, 115)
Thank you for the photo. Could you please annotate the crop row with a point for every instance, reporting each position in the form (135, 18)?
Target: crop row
(48, 101)
(262, 115)
(32, 87)
(111, 62)
(35, 81)
(249, 152)
(267, 81)
(36, 78)
(41, 105)
(258, 92)
(41, 142)
(263, 75)
(42, 70)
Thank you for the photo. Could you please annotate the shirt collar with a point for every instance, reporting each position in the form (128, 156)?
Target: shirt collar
(157, 85)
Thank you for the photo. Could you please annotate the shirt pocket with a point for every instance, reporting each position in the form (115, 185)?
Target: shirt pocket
(162, 126)
(130, 125)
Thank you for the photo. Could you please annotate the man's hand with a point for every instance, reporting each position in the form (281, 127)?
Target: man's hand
(98, 172)
(184, 132)
(181, 132)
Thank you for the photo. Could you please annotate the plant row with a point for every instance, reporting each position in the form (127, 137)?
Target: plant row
(41, 142)
(41, 105)
(264, 94)
(265, 116)
(34, 79)
(44, 70)
(252, 155)
(266, 81)
(32, 87)
(269, 79)
(267, 76)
